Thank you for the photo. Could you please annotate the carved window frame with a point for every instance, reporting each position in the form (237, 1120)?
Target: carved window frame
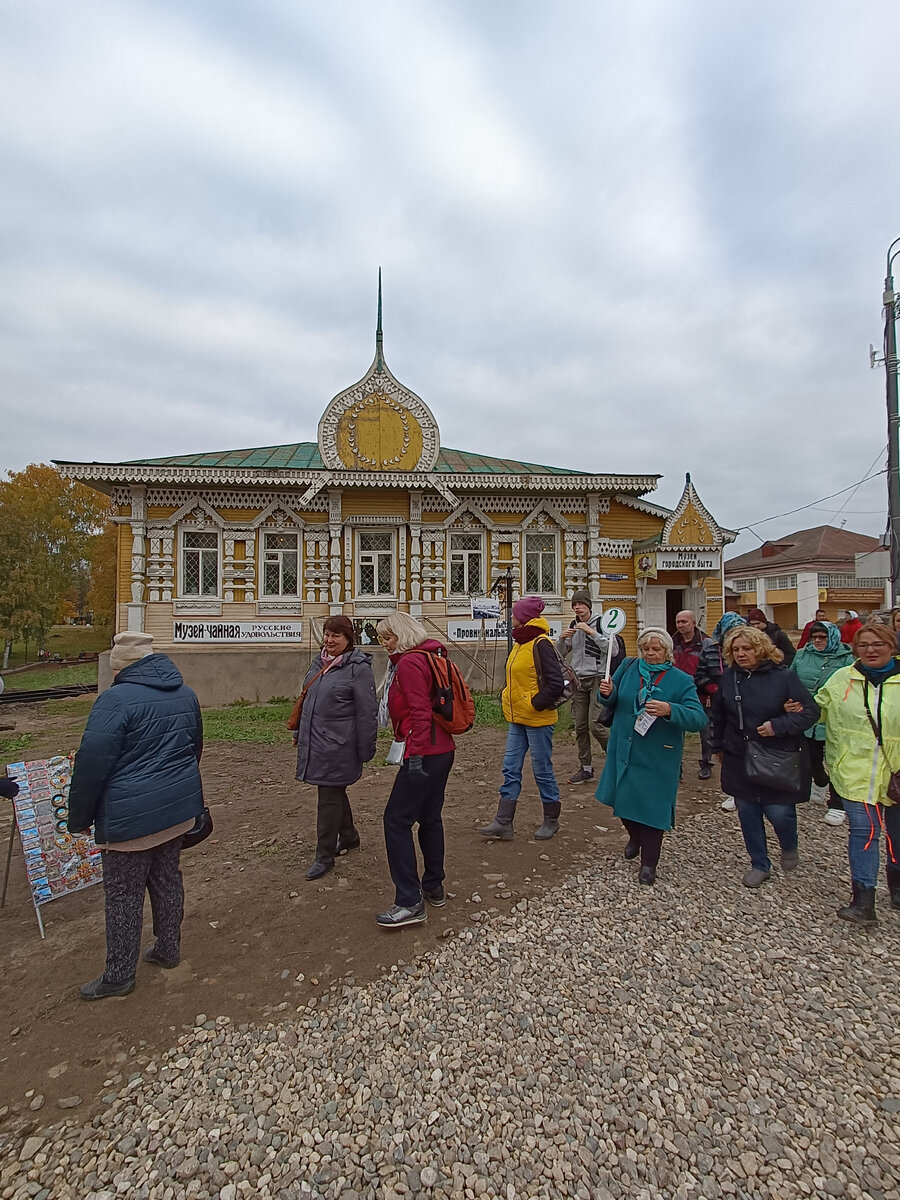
(541, 591)
(391, 531)
(482, 554)
(183, 531)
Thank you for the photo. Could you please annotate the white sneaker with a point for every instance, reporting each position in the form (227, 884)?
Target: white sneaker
(728, 804)
(835, 816)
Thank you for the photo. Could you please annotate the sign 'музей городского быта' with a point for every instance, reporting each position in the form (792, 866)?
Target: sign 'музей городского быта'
(687, 560)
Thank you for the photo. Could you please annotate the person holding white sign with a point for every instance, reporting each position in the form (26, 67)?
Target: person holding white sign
(587, 650)
(654, 705)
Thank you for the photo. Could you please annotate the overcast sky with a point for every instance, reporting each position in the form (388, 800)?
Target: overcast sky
(641, 235)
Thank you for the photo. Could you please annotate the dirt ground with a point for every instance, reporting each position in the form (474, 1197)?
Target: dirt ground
(258, 940)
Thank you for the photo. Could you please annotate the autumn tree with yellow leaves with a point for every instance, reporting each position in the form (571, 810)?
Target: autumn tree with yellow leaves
(49, 527)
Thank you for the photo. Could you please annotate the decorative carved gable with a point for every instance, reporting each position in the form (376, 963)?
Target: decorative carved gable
(691, 523)
(196, 512)
(545, 515)
(467, 516)
(277, 514)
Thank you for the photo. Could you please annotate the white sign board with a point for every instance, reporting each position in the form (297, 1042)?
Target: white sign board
(231, 632)
(688, 560)
(494, 631)
(485, 608)
(613, 620)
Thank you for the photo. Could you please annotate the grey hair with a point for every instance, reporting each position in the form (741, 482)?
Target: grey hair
(407, 630)
(661, 635)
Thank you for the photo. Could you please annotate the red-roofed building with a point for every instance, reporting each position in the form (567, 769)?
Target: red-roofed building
(791, 576)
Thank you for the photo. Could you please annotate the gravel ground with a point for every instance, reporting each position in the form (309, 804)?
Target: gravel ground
(609, 1040)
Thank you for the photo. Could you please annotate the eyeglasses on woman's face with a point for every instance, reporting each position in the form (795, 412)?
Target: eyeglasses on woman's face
(874, 651)
(818, 637)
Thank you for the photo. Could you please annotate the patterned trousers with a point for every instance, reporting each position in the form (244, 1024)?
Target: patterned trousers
(125, 878)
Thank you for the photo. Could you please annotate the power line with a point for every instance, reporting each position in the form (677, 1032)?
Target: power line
(814, 503)
(859, 485)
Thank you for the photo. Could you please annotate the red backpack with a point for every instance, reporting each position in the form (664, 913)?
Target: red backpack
(451, 700)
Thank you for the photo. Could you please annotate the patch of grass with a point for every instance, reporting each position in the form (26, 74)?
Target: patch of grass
(265, 723)
(487, 710)
(12, 748)
(78, 706)
(268, 849)
(47, 677)
(261, 723)
(489, 713)
(65, 640)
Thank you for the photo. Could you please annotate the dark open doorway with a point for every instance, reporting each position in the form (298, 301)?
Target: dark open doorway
(674, 605)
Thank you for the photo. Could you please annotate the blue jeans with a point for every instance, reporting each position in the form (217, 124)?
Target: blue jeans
(865, 827)
(783, 819)
(539, 740)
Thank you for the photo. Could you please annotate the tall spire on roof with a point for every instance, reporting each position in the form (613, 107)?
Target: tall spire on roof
(379, 337)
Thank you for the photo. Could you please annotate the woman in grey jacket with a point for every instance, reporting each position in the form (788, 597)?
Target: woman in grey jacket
(338, 727)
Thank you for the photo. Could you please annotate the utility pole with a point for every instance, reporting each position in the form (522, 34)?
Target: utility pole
(893, 415)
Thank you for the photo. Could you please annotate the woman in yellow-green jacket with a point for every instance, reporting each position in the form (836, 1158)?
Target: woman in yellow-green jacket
(534, 683)
(861, 709)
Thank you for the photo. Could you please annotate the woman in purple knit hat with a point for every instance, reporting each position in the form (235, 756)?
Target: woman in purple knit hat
(534, 683)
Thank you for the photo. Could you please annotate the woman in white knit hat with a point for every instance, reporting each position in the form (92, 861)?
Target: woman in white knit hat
(654, 705)
(137, 782)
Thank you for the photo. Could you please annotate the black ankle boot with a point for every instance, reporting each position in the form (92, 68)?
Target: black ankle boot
(893, 882)
(550, 824)
(502, 825)
(861, 908)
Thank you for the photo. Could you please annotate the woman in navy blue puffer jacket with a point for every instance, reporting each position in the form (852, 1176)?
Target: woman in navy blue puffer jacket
(137, 782)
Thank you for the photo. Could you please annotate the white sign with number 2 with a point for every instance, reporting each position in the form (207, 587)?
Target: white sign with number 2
(611, 622)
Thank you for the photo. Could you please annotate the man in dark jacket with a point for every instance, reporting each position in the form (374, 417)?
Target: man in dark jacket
(687, 648)
(137, 781)
(758, 619)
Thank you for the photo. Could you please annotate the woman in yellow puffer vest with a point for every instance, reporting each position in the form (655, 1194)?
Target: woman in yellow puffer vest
(861, 709)
(534, 683)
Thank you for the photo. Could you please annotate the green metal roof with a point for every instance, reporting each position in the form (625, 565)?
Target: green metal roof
(305, 456)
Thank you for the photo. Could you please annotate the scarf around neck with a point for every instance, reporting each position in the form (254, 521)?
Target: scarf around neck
(650, 677)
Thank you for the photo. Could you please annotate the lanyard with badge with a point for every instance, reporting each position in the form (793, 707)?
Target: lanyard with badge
(644, 720)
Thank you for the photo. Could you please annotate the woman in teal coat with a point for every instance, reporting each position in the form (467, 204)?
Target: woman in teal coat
(653, 705)
(815, 663)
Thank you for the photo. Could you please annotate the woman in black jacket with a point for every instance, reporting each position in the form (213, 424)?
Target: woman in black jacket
(748, 709)
(338, 727)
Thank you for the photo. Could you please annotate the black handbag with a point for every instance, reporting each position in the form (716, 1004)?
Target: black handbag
(776, 768)
(606, 712)
(203, 827)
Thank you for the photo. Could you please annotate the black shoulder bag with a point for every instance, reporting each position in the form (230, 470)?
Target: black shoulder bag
(773, 767)
(605, 712)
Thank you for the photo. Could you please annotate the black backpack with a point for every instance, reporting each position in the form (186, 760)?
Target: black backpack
(619, 655)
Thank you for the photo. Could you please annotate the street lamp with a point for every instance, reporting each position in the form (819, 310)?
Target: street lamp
(890, 367)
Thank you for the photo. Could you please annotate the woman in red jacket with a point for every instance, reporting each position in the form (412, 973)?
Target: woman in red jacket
(417, 796)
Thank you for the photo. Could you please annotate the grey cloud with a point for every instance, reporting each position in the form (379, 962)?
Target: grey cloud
(631, 238)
